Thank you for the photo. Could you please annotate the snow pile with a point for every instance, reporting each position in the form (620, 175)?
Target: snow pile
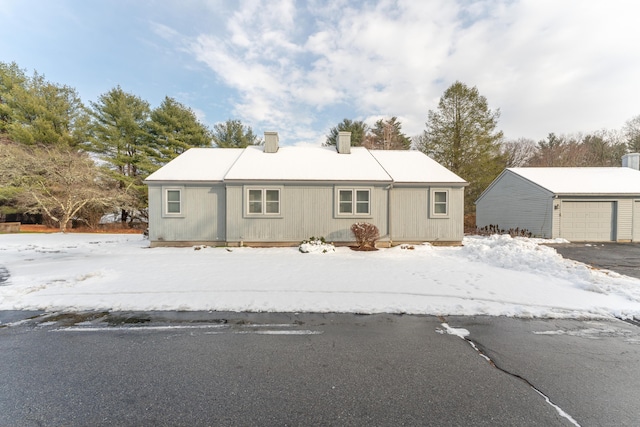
(496, 275)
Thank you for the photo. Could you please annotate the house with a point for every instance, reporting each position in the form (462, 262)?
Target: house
(596, 204)
(271, 195)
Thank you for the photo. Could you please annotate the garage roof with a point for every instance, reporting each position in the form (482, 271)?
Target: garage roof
(594, 181)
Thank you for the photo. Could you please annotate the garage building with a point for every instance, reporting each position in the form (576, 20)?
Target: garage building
(597, 204)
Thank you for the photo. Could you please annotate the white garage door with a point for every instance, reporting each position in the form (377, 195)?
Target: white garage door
(587, 221)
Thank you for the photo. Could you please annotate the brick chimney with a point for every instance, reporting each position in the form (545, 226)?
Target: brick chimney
(270, 142)
(343, 144)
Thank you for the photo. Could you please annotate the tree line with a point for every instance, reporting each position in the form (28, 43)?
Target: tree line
(462, 134)
(66, 160)
(70, 161)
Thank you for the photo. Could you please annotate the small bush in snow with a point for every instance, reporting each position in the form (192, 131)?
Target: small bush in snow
(366, 235)
(316, 244)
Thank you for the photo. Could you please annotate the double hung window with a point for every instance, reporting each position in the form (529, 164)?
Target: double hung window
(439, 203)
(263, 201)
(173, 201)
(354, 202)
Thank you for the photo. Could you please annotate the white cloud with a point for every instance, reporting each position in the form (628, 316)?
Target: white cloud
(550, 66)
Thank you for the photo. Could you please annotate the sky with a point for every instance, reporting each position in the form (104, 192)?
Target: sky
(300, 67)
(493, 275)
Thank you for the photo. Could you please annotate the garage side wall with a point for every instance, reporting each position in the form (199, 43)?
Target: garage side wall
(513, 202)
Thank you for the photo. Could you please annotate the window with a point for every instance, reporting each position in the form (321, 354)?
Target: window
(353, 202)
(439, 203)
(263, 201)
(173, 203)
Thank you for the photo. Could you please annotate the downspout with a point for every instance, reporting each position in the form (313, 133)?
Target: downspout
(389, 222)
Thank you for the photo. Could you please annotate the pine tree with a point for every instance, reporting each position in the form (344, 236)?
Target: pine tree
(461, 135)
(358, 129)
(233, 134)
(120, 138)
(173, 129)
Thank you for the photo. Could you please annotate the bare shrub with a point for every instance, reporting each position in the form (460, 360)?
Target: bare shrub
(495, 229)
(366, 235)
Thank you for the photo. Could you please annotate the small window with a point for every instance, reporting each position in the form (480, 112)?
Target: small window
(440, 203)
(173, 203)
(353, 202)
(263, 201)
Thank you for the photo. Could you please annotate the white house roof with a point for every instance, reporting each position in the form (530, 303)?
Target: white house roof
(568, 180)
(303, 164)
(307, 164)
(198, 164)
(414, 166)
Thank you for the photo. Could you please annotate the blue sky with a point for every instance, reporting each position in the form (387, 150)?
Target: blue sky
(299, 68)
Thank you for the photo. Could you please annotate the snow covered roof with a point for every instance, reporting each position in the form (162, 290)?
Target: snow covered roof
(583, 180)
(414, 166)
(304, 164)
(198, 164)
(307, 164)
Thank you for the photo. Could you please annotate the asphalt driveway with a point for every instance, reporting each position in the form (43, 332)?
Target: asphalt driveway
(623, 258)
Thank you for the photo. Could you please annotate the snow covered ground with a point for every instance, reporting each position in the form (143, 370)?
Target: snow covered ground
(496, 275)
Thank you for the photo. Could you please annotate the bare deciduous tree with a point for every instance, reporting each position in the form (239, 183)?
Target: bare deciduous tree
(57, 182)
(518, 152)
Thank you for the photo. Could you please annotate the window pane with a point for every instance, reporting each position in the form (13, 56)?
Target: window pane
(346, 199)
(173, 201)
(255, 201)
(440, 202)
(272, 204)
(273, 195)
(173, 195)
(440, 196)
(440, 208)
(362, 196)
(346, 196)
(362, 201)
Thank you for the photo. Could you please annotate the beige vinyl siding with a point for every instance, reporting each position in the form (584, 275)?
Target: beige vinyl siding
(624, 220)
(306, 210)
(636, 221)
(411, 220)
(202, 219)
(514, 202)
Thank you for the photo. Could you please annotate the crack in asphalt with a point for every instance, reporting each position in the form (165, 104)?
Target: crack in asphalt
(479, 349)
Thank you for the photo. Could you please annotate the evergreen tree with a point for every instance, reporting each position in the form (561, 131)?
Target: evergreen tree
(461, 135)
(35, 111)
(233, 134)
(358, 129)
(120, 138)
(173, 129)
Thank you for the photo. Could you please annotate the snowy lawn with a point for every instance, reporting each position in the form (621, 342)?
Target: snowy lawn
(496, 275)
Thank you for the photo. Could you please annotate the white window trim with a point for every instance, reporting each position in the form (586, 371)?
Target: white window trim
(432, 203)
(263, 190)
(353, 213)
(165, 202)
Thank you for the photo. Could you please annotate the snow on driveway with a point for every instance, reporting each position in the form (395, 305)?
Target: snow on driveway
(497, 275)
